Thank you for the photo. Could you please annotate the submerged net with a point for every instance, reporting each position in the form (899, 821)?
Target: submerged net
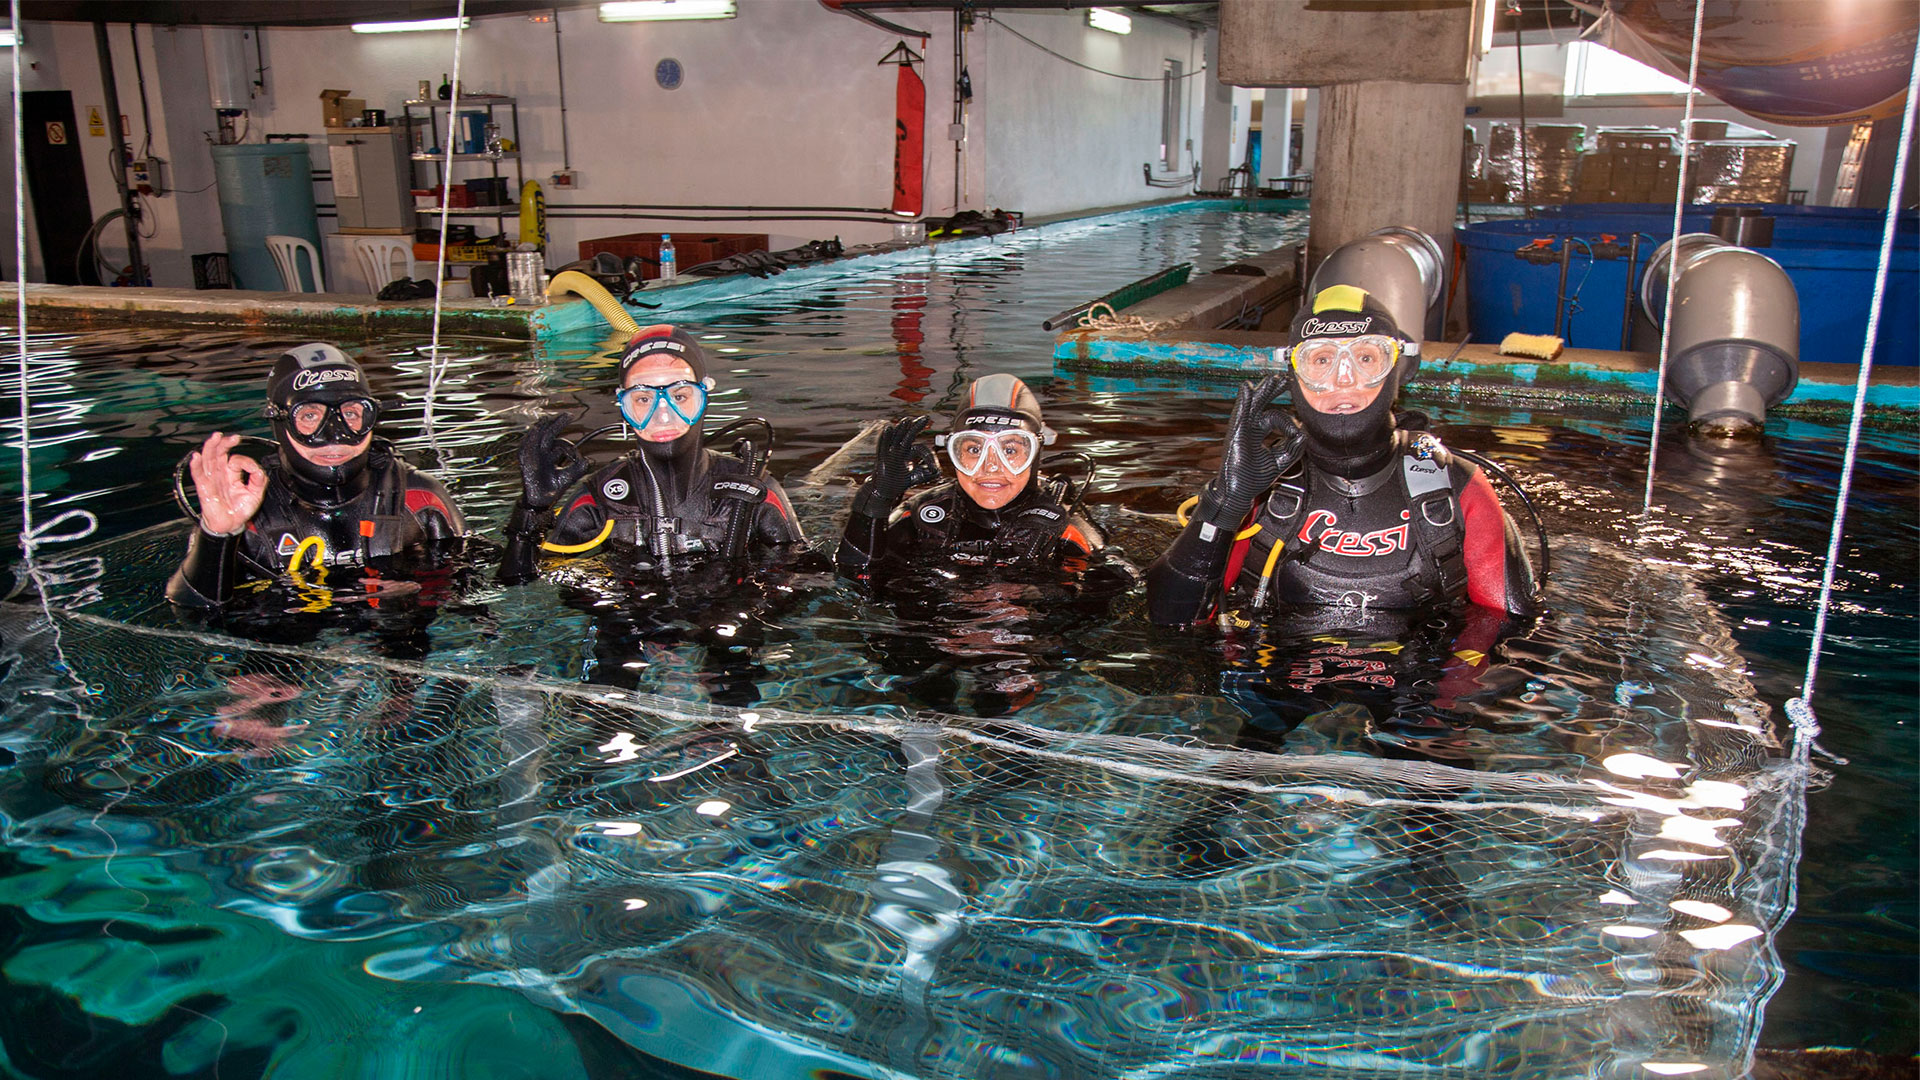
(765, 890)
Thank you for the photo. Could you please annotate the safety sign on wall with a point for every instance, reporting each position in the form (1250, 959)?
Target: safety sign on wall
(96, 123)
(56, 133)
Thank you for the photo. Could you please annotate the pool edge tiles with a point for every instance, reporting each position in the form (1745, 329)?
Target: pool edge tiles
(1477, 370)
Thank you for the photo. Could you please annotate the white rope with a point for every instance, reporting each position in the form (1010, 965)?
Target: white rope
(20, 290)
(31, 536)
(1673, 258)
(436, 364)
(1805, 725)
(83, 522)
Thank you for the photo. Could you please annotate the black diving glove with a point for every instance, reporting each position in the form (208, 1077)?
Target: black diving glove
(549, 464)
(1248, 467)
(900, 462)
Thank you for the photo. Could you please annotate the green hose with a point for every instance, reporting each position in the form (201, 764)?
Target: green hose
(579, 284)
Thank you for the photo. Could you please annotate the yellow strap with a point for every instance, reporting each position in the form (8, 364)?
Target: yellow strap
(1180, 515)
(318, 597)
(1273, 560)
(575, 549)
(315, 544)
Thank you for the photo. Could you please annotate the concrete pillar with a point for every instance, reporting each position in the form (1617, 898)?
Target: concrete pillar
(1386, 153)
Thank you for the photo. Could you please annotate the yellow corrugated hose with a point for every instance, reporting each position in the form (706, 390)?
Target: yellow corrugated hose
(579, 284)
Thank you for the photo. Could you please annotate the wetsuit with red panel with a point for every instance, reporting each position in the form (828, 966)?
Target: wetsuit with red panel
(389, 515)
(1424, 528)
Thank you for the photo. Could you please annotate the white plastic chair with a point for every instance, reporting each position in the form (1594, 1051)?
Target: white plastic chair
(286, 255)
(378, 255)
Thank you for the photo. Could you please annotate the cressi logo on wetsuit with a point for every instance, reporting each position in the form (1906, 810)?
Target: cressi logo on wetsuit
(1393, 539)
(1322, 530)
(387, 519)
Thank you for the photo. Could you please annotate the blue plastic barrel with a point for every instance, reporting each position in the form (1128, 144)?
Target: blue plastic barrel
(1829, 253)
(265, 189)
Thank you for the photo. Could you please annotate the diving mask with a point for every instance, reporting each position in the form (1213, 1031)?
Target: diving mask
(1014, 447)
(1325, 364)
(327, 423)
(684, 399)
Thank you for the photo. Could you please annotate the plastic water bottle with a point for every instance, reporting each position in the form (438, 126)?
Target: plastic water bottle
(668, 265)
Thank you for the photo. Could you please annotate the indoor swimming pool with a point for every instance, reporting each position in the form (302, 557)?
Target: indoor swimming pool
(610, 825)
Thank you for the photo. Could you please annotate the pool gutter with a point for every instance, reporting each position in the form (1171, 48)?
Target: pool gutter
(1586, 375)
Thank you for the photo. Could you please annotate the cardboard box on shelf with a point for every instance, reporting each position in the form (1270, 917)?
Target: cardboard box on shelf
(336, 108)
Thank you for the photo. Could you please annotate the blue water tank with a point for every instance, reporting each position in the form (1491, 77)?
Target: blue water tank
(1829, 253)
(265, 189)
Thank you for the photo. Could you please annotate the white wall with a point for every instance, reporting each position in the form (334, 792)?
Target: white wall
(64, 56)
(784, 105)
(1058, 137)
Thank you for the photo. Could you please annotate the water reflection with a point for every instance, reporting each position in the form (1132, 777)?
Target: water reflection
(1127, 849)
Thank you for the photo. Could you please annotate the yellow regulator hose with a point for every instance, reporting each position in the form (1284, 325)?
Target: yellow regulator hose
(579, 284)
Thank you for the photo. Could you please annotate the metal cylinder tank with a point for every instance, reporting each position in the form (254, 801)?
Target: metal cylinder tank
(228, 77)
(1734, 345)
(1402, 268)
(265, 189)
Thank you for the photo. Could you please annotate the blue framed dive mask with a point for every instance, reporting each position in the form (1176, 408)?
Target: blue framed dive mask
(685, 399)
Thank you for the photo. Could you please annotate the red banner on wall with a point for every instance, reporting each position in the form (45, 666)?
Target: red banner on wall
(909, 142)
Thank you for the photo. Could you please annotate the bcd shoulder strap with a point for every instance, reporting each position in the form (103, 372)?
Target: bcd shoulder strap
(1438, 530)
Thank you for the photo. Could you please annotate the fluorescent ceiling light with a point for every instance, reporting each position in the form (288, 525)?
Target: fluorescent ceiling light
(9, 38)
(417, 24)
(1111, 21)
(662, 10)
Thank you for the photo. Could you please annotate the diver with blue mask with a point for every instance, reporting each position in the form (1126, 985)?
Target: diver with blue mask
(671, 501)
(333, 496)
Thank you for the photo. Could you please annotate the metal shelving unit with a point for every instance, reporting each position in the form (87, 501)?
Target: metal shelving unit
(425, 118)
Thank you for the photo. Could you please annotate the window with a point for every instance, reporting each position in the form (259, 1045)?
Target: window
(1170, 112)
(1597, 71)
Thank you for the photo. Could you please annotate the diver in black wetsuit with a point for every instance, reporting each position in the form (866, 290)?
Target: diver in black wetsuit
(1338, 558)
(333, 497)
(698, 544)
(992, 573)
(999, 511)
(1346, 510)
(671, 503)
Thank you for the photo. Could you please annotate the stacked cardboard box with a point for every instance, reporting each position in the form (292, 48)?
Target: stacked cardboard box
(1473, 168)
(1739, 171)
(1630, 165)
(1550, 164)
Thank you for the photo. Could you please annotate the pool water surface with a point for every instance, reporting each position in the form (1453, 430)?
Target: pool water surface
(611, 825)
